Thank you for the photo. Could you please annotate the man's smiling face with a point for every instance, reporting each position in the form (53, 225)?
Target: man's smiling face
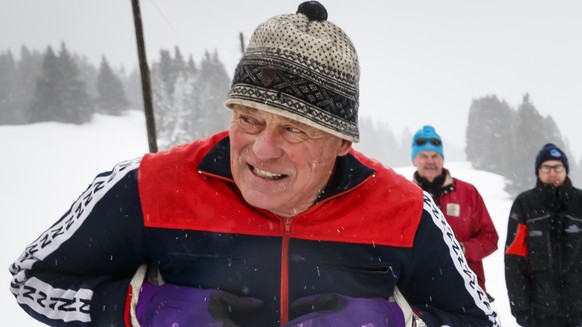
(279, 164)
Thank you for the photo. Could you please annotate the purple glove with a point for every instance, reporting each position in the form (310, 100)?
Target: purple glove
(171, 305)
(326, 310)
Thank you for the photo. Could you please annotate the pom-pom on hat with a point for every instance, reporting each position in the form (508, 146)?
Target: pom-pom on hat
(551, 152)
(426, 139)
(302, 67)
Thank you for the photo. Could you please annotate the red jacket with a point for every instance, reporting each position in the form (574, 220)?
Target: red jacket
(467, 215)
(369, 232)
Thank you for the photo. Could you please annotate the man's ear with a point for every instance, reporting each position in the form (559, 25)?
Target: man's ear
(344, 148)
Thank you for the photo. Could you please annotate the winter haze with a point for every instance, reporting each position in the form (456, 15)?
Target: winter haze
(422, 62)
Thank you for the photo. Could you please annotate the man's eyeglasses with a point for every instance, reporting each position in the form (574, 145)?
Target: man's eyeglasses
(557, 168)
(422, 141)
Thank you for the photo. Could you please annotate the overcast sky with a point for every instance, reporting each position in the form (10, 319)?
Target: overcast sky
(422, 62)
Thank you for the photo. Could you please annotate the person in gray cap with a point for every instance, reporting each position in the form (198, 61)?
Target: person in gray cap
(543, 250)
(275, 222)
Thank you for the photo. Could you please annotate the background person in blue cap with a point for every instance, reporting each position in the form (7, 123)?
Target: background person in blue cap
(543, 250)
(459, 201)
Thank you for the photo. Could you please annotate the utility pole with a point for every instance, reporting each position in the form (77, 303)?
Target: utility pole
(242, 43)
(145, 78)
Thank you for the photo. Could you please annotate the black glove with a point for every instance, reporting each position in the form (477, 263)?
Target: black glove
(525, 318)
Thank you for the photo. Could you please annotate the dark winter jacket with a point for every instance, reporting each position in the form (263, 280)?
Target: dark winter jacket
(370, 231)
(467, 215)
(543, 256)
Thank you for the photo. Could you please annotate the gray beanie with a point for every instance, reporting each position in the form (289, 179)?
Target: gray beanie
(302, 67)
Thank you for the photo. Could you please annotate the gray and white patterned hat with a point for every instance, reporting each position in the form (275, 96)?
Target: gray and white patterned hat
(302, 67)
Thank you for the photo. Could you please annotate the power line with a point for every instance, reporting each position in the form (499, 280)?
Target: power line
(172, 28)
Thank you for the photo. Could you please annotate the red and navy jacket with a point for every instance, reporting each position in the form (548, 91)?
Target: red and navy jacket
(369, 231)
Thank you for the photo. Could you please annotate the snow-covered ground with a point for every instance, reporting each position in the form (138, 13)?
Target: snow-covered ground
(44, 167)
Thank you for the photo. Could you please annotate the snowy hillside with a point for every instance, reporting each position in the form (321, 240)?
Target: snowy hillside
(46, 166)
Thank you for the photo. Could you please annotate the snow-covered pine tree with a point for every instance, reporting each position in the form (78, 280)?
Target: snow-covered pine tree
(60, 93)
(111, 98)
(211, 85)
(489, 143)
(529, 135)
(8, 78)
(378, 141)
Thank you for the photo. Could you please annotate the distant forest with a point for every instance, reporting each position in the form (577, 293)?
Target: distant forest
(188, 97)
(63, 86)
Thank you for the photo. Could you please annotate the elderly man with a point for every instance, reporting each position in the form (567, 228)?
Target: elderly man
(276, 222)
(459, 201)
(543, 250)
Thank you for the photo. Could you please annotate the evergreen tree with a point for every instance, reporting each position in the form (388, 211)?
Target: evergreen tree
(17, 81)
(111, 98)
(194, 108)
(529, 136)
(170, 68)
(87, 74)
(489, 134)
(47, 90)
(191, 67)
(60, 94)
(133, 89)
(183, 125)
(553, 135)
(211, 86)
(163, 104)
(378, 142)
(8, 76)
(506, 142)
(29, 70)
(77, 106)
(163, 72)
(178, 66)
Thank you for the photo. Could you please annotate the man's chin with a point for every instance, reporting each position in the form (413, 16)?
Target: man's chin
(261, 199)
(430, 174)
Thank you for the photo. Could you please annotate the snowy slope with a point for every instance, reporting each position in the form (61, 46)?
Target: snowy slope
(46, 166)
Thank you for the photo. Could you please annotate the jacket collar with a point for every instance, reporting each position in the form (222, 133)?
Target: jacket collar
(348, 173)
(441, 185)
(555, 197)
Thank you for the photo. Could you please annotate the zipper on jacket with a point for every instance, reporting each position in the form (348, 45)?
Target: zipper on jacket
(285, 272)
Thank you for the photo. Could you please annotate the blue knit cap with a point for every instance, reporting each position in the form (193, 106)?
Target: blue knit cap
(551, 152)
(426, 139)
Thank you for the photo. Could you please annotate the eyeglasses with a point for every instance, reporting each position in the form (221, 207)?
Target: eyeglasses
(557, 168)
(422, 141)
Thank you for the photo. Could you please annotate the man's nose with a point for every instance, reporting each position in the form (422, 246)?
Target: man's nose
(267, 145)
